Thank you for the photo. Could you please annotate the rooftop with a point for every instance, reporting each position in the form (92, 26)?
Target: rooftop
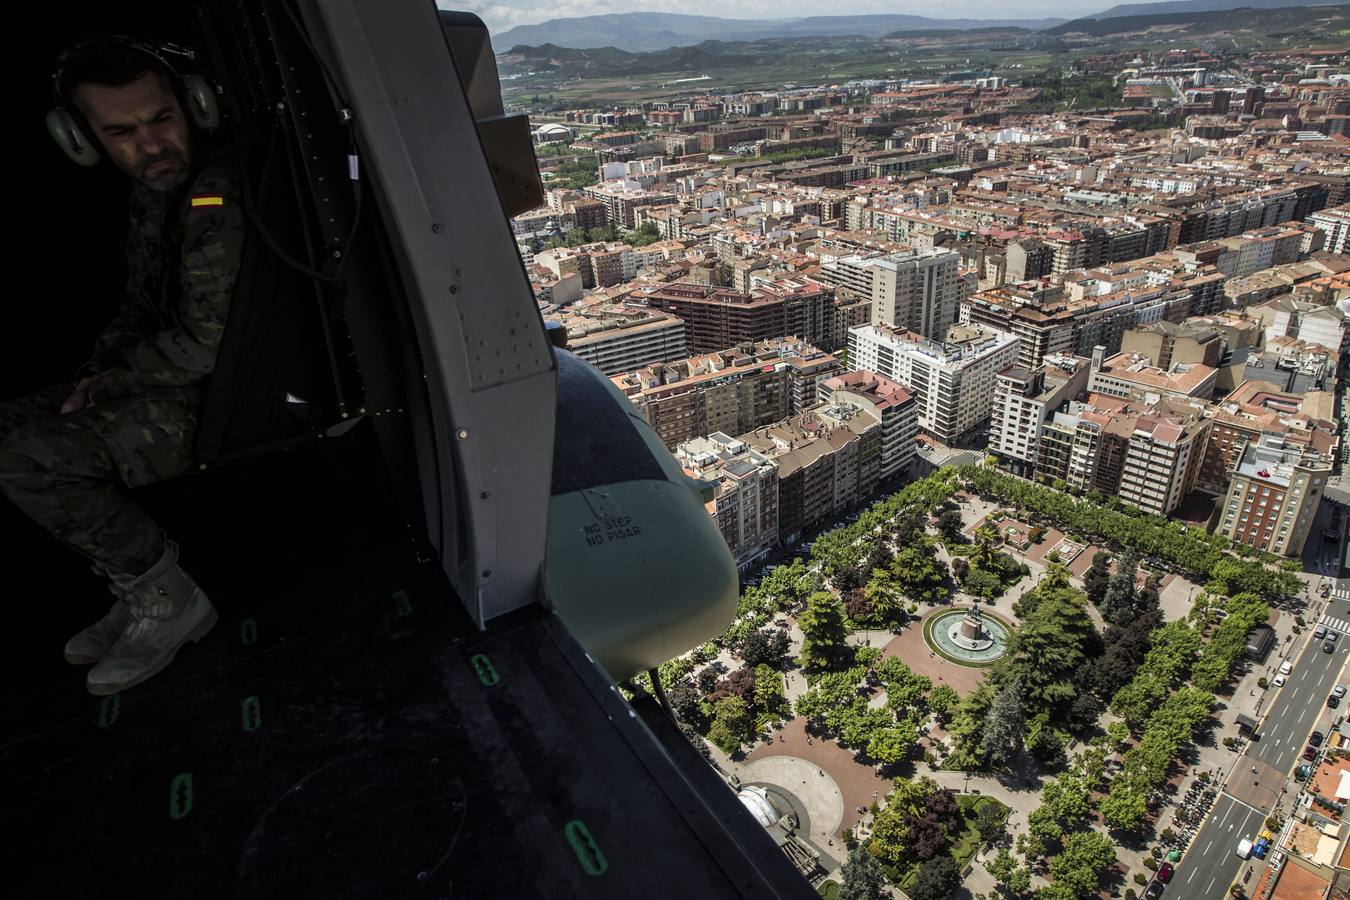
(1134, 368)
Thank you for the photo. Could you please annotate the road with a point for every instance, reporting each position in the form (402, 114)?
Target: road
(1210, 863)
(1290, 714)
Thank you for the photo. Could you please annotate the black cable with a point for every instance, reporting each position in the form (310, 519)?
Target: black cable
(655, 676)
(251, 213)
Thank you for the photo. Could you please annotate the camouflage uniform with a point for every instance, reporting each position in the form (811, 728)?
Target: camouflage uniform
(67, 472)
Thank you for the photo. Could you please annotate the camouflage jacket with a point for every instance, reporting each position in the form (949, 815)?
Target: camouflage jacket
(183, 253)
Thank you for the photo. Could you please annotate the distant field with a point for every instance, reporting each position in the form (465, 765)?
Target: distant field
(606, 76)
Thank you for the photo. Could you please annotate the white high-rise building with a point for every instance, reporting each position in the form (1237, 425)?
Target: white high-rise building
(917, 290)
(1336, 223)
(953, 380)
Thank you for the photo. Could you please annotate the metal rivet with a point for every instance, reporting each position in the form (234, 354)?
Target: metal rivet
(435, 229)
(454, 289)
(464, 434)
(487, 573)
(484, 495)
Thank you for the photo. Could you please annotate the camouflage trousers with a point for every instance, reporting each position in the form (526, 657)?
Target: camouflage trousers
(69, 473)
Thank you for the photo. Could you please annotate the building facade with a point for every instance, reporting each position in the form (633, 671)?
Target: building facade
(952, 380)
(1272, 500)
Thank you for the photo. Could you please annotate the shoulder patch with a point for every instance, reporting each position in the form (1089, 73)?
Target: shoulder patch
(200, 201)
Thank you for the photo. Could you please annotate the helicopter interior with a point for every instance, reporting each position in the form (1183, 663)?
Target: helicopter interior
(352, 726)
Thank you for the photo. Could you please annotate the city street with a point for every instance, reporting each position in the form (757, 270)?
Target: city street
(1211, 863)
(1289, 713)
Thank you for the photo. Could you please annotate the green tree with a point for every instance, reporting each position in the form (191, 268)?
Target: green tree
(731, 723)
(919, 575)
(1079, 867)
(938, 879)
(950, 524)
(823, 634)
(1012, 878)
(862, 877)
(1047, 652)
(1125, 806)
(942, 701)
(1136, 701)
(884, 597)
(986, 539)
(982, 583)
(1118, 604)
(765, 646)
(989, 822)
(646, 233)
(1098, 577)
(768, 691)
(1173, 650)
(1002, 739)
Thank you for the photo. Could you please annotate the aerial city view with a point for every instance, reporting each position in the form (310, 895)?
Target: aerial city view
(1008, 356)
(678, 450)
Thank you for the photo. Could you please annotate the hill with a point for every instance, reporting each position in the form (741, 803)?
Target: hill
(1309, 19)
(660, 31)
(1192, 6)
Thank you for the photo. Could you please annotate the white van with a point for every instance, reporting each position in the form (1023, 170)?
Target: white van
(1244, 848)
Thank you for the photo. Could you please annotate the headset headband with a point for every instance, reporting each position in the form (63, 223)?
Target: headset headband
(157, 52)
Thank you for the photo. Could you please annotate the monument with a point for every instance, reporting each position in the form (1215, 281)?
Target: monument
(970, 633)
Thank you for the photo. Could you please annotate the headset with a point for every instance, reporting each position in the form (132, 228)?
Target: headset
(67, 126)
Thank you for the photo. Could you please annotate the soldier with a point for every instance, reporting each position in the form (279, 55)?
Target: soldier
(68, 453)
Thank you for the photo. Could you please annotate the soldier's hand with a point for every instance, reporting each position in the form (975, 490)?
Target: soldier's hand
(79, 398)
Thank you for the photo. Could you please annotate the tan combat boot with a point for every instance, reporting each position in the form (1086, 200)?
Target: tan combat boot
(168, 609)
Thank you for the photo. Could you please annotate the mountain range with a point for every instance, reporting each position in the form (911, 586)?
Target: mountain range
(647, 31)
(659, 31)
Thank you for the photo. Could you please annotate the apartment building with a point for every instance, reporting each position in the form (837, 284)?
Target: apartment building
(1335, 224)
(718, 317)
(732, 391)
(1168, 343)
(1312, 323)
(745, 499)
(620, 200)
(1259, 408)
(893, 405)
(1148, 454)
(1132, 375)
(952, 380)
(618, 339)
(825, 458)
(1024, 399)
(1272, 500)
(916, 290)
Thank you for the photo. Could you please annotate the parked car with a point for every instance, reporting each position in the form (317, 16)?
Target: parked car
(1262, 845)
(1310, 753)
(1286, 667)
(1155, 890)
(1338, 690)
(1320, 633)
(1244, 848)
(1278, 680)
(1165, 873)
(1333, 701)
(1316, 738)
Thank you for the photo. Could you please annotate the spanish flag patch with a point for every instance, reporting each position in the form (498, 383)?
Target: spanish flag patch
(204, 200)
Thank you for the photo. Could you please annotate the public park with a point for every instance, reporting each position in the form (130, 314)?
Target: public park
(984, 687)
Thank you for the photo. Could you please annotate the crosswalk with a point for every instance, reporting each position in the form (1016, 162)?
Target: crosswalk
(1340, 594)
(1335, 622)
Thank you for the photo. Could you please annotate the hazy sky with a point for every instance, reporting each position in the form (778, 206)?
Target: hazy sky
(503, 14)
